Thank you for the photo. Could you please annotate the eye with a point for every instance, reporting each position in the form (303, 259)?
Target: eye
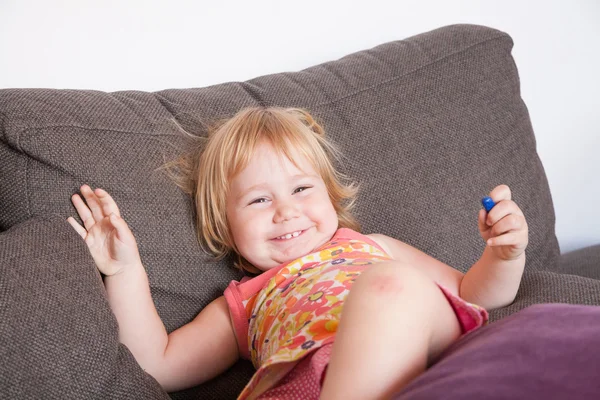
(258, 201)
(301, 189)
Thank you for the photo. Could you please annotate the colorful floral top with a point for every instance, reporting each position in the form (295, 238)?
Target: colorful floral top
(286, 313)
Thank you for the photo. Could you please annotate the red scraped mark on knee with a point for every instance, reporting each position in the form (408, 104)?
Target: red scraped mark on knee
(383, 284)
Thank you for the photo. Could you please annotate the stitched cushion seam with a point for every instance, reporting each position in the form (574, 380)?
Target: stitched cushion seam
(27, 186)
(503, 35)
(94, 129)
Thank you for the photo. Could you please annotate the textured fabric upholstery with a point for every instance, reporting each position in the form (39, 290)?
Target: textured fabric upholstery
(59, 338)
(582, 262)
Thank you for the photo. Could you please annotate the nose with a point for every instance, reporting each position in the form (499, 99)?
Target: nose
(285, 212)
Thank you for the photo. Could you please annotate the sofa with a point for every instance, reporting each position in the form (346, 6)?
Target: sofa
(428, 125)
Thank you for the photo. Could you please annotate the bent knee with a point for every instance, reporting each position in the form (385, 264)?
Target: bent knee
(393, 277)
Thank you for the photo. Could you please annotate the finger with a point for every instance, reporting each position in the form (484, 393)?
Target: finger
(92, 201)
(84, 212)
(78, 228)
(501, 210)
(511, 238)
(109, 206)
(511, 222)
(500, 192)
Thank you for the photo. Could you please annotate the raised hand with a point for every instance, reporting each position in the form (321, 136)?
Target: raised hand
(106, 234)
(504, 228)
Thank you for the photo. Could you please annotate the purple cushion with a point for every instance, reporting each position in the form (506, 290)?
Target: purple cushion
(546, 351)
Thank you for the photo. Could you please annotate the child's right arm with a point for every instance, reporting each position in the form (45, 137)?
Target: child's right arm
(190, 355)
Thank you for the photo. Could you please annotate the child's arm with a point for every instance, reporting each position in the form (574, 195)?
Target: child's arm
(188, 356)
(192, 354)
(493, 281)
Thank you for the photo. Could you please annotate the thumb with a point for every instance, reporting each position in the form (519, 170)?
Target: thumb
(123, 232)
(481, 221)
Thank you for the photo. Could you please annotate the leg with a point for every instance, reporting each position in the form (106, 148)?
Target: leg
(395, 320)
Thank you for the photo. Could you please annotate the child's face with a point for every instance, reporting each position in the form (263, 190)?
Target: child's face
(271, 198)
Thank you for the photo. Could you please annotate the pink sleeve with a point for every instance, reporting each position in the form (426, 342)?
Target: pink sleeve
(236, 294)
(238, 317)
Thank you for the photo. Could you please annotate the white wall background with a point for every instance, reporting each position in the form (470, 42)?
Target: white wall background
(151, 45)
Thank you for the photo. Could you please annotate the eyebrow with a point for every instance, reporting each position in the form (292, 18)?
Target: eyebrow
(265, 185)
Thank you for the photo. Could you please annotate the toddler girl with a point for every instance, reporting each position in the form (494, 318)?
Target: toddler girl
(266, 192)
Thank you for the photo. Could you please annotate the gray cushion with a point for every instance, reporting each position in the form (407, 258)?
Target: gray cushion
(582, 262)
(59, 338)
(551, 287)
(429, 125)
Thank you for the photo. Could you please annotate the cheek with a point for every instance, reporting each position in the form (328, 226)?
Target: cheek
(246, 228)
(236, 227)
(323, 209)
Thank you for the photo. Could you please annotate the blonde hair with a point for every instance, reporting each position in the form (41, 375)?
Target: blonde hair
(207, 169)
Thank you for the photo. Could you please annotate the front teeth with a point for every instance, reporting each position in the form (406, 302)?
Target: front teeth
(290, 235)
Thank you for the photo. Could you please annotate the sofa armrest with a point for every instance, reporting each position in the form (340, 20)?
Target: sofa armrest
(56, 325)
(551, 287)
(583, 262)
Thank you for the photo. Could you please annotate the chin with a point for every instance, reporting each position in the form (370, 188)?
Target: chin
(296, 255)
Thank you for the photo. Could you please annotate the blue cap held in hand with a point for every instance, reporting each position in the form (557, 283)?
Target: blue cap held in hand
(487, 203)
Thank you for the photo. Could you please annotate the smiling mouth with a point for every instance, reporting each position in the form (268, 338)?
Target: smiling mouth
(289, 236)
